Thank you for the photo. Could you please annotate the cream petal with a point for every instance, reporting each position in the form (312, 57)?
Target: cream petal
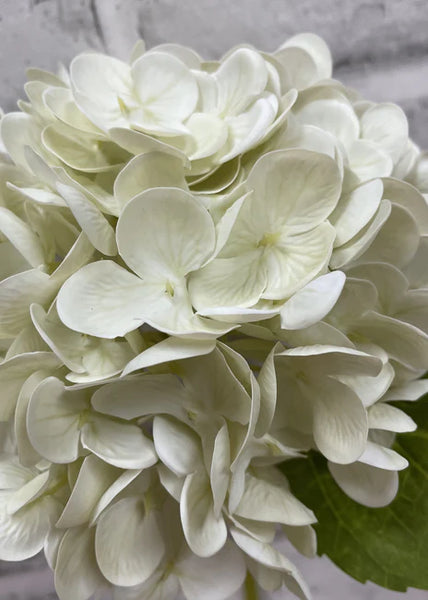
(165, 86)
(296, 189)
(368, 161)
(228, 282)
(52, 403)
(99, 231)
(80, 253)
(402, 341)
(295, 260)
(268, 499)
(22, 535)
(386, 125)
(220, 468)
(205, 533)
(410, 198)
(128, 543)
(241, 77)
(317, 49)
(22, 237)
(383, 458)
(137, 142)
(141, 396)
(355, 210)
(122, 445)
(267, 556)
(250, 127)
(334, 116)
(313, 302)
(298, 68)
(339, 422)
(80, 150)
(397, 241)
(176, 445)
(117, 295)
(149, 170)
(95, 477)
(357, 245)
(366, 484)
(170, 349)
(15, 370)
(209, 134)
(268, 394)
(214, 578)
(77, 575)
(390, 418)
(98, 81)
(166, 233)
(17, 293)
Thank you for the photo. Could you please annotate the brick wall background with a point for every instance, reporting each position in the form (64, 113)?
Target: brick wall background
(380, 47)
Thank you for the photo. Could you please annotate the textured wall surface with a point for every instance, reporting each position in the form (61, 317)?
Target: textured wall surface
(380, 47)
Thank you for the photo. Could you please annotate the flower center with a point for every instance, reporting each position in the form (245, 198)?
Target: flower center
(269, 239)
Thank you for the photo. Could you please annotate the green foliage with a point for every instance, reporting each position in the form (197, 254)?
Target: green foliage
(388, 546)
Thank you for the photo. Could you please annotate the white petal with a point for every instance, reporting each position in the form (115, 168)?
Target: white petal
(128, 543)
(334, 116)
(77, 575)
(293, 188)
(141, 396)
(95, 477)
(209, 134)
(204, 532)
(402, 341)
(317, 48)
(397, 241)
(383, 458)
(149, 170)
(268, 556)
(241, 77)
(340, 422)
(176, 445)
(220, 468)
(250, 127)
(120, 444)
(366, 484)
(168, 350)
(166, 88)
(214, 578)
(389, 418)
(313, 302)
(296, 259)
(52, 403)
(99, 81)
(267, 499)
(367, 160)
(17, 293)
(357, 245)
(228, 282)
(165, 233)
(13, 373)
(386, 125)
(102, 299)
(22, 237)
(90, 219)
(23, 534)
(355, 210)
(268, 394)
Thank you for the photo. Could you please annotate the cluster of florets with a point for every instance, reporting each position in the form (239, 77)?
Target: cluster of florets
(208, 268)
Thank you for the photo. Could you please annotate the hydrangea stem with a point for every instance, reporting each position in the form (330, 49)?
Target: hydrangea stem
(250, 588)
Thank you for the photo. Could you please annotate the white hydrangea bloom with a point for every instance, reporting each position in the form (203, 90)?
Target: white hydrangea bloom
(207, 268)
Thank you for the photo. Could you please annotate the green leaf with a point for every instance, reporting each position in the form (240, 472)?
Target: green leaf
(388, 546)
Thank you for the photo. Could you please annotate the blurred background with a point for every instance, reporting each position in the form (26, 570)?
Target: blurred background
(380, 47)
